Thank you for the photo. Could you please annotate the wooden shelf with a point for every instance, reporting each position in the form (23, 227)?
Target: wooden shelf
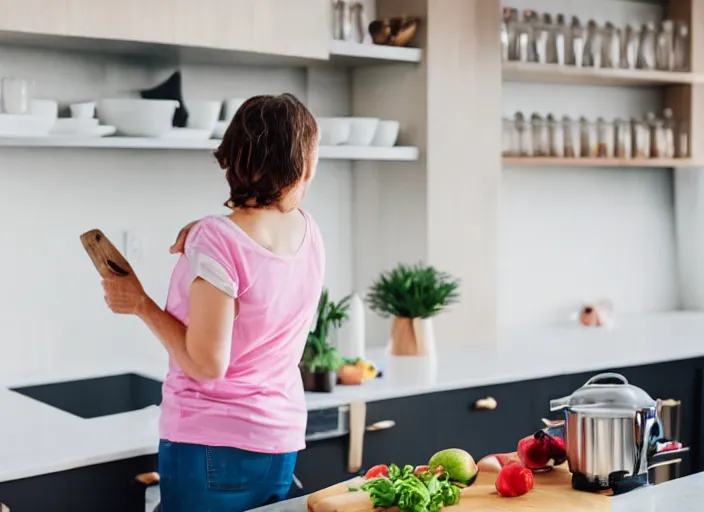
(511, 161)
(530, 72)
(350, 52)
(398, 153)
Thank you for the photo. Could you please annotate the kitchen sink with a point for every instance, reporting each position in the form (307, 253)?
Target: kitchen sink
(102, 396)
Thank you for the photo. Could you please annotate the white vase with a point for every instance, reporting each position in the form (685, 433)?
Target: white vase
(425, 337)
(352, 331)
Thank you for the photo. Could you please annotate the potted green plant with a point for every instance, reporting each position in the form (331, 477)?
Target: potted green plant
(321, 361)
(412, 295)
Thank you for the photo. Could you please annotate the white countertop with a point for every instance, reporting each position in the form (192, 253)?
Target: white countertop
(37, 439)
(681, 495)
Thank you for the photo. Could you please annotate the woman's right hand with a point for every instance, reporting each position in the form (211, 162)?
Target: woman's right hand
(180, 243)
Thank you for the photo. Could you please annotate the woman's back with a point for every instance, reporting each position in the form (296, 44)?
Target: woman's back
(259, 405)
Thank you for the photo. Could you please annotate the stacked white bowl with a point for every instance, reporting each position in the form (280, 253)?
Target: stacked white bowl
(357, 131)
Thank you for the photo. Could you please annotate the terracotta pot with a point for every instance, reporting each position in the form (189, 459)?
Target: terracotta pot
(319, 382)
(412, 337)
(351, 375)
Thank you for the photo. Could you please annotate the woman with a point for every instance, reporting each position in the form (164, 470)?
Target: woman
(241, 301)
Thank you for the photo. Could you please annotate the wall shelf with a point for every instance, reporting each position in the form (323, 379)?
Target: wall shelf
(530, 72)
(511, 161)
(398, 153)
(355, 53)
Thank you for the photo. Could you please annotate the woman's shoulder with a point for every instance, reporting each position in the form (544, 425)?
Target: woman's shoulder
(210, 230)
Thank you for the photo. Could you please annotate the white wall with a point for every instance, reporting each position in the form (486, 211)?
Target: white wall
(578, 234)
(51, 308)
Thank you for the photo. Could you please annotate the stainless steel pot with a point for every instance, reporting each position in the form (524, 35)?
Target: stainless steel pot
(609, 429)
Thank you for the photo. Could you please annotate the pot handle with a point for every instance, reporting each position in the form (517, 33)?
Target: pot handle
(603, 376)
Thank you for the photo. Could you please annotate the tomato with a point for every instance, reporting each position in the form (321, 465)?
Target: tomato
(378, 471)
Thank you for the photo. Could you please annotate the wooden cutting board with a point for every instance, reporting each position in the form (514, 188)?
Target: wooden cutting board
(552, 493)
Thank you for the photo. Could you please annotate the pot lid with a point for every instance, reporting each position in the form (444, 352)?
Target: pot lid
(600, 393)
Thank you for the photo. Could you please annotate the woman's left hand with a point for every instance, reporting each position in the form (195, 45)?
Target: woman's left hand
(125, 295)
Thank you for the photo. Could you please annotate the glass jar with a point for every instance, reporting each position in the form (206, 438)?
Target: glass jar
(622, 139)
(509, 140)
(640, 139)
(556, 136)
(541, 136)
(570, 135)
(682, 140)
(669, 131)
(657, 136)
(524, 136)
(605, 139)
(587, 138)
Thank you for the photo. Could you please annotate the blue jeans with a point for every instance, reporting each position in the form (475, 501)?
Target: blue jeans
(197, 478)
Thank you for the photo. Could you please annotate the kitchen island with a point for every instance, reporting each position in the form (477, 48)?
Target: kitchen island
(42, 446)
(682, 495)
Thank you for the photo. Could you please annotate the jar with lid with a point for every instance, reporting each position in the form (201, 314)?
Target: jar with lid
(509, 139)
(657, 136)
(587, 138)
(622, 139)
(682, 140)
(556, 136)
(640, 135)
(523, 135)
(669, 133)
(570, 135)
(605, 139)
(541, 136)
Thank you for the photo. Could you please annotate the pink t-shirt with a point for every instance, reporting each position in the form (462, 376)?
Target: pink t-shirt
(260, 405)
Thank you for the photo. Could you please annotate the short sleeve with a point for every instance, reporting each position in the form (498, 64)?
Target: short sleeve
(210, 257)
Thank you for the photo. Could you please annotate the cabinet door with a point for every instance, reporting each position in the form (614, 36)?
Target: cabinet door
(322, 464)
(412, 439)
(125, 20)
(482, 432)
(38, 16)
(281, 27)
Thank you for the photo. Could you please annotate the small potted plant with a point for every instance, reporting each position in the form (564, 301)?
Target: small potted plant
(321, 361)
(412, 295)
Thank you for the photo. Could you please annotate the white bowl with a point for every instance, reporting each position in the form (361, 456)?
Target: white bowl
(44, 108)
(386, 134)
(82, 110)
(232, 105)
(334, 130)
(363, 130)
(24, 125)
(203, 115)
(138, 118)
(220, 129)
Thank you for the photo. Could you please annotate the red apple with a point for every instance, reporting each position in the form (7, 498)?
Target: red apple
(541, 451)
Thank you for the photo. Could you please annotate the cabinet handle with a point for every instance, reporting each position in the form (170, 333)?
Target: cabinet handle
(381, 425)
(486, 404)
(297, 482)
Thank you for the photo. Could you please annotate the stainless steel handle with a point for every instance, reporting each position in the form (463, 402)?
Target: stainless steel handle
(381, 425)
(486, 404)
(607, 375)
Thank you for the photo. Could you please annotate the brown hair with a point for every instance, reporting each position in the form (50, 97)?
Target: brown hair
(266, 149)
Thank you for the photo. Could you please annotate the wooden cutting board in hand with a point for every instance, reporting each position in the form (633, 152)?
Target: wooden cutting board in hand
(105, 256)
(552, 493)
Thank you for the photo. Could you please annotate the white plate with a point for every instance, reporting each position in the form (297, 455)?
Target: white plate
(220, 129)
(86, 131)
(187, 133)
(24, 125)
(71, 125)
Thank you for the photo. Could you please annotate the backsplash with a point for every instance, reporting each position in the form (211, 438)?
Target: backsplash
(51, 305)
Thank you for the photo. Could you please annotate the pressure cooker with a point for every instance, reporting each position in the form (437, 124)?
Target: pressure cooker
(610, 428)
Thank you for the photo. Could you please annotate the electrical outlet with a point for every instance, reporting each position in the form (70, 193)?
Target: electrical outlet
(133, 247)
